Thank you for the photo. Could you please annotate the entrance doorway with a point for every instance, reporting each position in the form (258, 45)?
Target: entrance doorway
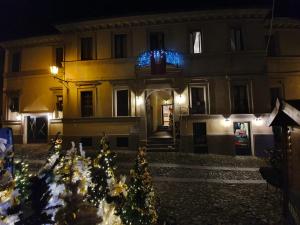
(159, 111)
(242, 140)
(37, 129)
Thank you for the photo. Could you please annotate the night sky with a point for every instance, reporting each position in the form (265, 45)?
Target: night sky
(23, 18)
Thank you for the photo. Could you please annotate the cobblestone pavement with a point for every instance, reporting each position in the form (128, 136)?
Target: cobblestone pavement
(198, 189)
(219, 204)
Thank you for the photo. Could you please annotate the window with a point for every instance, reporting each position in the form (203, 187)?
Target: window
(14, 104)
(275, 92)
(157, 40)
(122, 102)
(86, 48)
(122, 142)
(16, 62)
(271, 45)
(120, 46)
(59, 103)
(196, 42)
(59, 56)
(87, 103)
(240, 99)
(236, 41)
(198, 100)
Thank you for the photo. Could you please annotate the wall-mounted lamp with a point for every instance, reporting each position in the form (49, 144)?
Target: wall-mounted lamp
(226, 122)
(166, 102)
(54, 73)
(258, 121)
(139, 100)
(54, 70)
(180, 99)
(19, 117)
(50, 117)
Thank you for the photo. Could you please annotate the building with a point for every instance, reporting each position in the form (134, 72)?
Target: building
(206, 77)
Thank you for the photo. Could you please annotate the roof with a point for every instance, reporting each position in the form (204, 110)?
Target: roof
(285, 113)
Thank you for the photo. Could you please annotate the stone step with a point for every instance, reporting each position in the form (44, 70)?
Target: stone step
(160, 149)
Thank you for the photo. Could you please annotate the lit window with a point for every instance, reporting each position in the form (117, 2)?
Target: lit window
(198, 101)
(196, 42)
(236, 41)
(122, 102)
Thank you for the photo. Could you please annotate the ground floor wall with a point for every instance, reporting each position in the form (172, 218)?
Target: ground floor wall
(219, 135)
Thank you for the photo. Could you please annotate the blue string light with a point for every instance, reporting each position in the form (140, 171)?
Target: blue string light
(172, 57)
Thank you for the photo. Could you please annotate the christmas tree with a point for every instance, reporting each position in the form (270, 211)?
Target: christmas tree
(42, 199)
(22, 179)
(140, 205)
(73, 172)
(102, 172)
(9, 202)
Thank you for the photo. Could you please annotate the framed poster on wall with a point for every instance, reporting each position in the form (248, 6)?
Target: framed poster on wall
(242, 139)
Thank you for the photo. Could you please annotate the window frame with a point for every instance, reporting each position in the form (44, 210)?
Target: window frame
(156, 32)
(19, 52)
(234, 29)
(248, 86)
(55, 56)
(93, 101)
(205, 88)
(191, 47)
(115, 100)
(93, 47)
(114, 50)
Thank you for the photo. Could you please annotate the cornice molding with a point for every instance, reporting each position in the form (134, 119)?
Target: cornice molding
(38, 40)
(165, 18)
(286, 23)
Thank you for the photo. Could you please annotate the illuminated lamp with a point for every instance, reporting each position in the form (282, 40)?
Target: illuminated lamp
(19, 117)
(139, 100)
(180, 99)
(226, 122)
(54, 70)
(258, 121)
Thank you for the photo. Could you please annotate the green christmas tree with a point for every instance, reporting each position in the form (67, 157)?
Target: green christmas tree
(102, 172)
(22, 179)
(140, 205)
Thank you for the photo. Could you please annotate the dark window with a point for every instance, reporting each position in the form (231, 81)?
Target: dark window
(240, 99)
(16, 62)
(86, 103)
(86, 141)
(59, 56)
(122, 102)
(275, 92)
(86, 48)
(271, 45)
(120, 46)
(236, 40)
(59, 103)
(122, 142)
(157, 41)
(198, 104)
(199, 136)
(196, 42)
(14, 104)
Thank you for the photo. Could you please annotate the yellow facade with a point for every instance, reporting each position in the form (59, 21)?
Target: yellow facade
(215, 71)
